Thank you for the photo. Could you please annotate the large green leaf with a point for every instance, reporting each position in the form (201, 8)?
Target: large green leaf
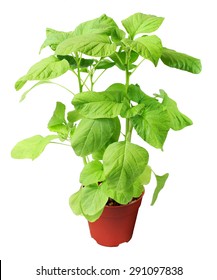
(101, 25)
(48, 68)
(149, 47)
(181, 61)
(54, 38)
(92, 173)
(123, 162)
(97, 45)
(93, 200)
(178, 120)
(75, 202)
(114, 138)
(31, 147)
(153, 125)
(94, 105)
(161, 180)
(91, 136)
(141, 23)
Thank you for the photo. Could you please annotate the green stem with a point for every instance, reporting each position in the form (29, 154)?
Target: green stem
(84, 160)
(99, 76)
(50, 82)
(137, 66)
(52, 142)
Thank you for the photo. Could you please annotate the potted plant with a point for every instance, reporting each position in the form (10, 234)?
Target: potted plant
(99, 126)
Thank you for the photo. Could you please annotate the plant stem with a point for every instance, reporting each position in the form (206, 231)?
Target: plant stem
(50, 82)
(129, 126)
(52, 142)
(99, 76)
(137, 66)
(84, 160)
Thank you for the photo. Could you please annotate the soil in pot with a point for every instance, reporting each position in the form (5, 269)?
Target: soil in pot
(116, 224)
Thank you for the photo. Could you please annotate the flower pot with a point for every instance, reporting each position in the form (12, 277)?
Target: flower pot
(116, 224)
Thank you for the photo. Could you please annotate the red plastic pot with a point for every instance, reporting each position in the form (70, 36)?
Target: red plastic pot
(116, 224)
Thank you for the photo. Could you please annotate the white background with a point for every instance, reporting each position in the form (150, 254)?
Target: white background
(37, 226)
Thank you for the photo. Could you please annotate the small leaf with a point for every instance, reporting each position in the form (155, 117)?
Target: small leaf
(93, 199)
(91, 44)
(97, 105)
(135, 94)
(91, 136)
(120, 57)
(31, 147)
(181, 61)
(133, 111)
(105, 64)
(75, 202)
(48, 68)
(73, 116)
(141, 23)
(178, 120)
(58, 123)
(149, 47)
(92, 173)
(161, 180)
(123, 162)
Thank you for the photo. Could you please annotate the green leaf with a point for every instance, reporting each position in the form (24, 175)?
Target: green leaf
(31, 147)
(153, 125)
(91, 44)
(114, 138)
(93, 200)
(120, 57)
(48, 68)
(181, 61)
(92, 173)
(149, 47)
(73, 116)
(57, 122)
(135, 94)
(161, 180)
(178, 120)
(35, 85)
(105, 64)
(117, 35)
(91, 136)
(93, 218)
(54, 38)
(137, 190)
(75, 202)
(133, 111)
(101, 25)
(141, 23)
(97, 105)
(123, 162)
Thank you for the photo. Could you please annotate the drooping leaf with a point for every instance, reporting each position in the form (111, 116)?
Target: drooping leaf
(178, 120)
(152, 125)
(48, 68)
(93, 218)
(123, 162)
(75, 202)
(91, 136)
(92, 173)
(96, 105)
(161, 180)
(181, 61)
(27, 91)
(96, 45)
(141, 23)
(93, 199)
(54, 38)
(31, 147)
(149, 47)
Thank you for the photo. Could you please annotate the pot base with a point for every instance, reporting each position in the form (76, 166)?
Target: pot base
(116, 224)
